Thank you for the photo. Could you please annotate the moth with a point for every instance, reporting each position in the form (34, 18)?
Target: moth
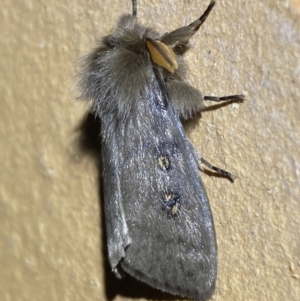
(158, 219)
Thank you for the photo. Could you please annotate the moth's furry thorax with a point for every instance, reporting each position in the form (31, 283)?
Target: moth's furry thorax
(116, 73)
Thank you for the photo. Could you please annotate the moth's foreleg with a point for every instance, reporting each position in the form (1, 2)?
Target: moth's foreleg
(225, 98)
(186, 100)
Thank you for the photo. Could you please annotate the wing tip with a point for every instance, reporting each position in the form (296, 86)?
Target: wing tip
(201, 292)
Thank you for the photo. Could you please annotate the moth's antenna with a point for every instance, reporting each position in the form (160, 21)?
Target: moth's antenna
(201, 20)
(134, 8)
(207, 11)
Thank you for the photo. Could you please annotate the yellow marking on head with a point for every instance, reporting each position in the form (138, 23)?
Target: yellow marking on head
(162, 55)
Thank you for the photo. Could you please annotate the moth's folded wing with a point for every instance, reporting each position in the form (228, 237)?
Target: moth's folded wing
(167, 212)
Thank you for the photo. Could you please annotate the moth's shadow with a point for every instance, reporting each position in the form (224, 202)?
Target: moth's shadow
(90, 144)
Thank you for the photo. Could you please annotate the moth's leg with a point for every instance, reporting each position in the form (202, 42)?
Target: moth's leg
(118, 237)
(225, 98)
(199, 160)
(218, 170)
(185, 99)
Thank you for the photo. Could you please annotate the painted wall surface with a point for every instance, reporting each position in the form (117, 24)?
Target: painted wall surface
(52, 235)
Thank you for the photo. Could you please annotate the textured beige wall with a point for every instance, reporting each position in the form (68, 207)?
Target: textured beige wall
(51, 234)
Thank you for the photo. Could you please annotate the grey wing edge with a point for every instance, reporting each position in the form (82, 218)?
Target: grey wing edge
(118, 237)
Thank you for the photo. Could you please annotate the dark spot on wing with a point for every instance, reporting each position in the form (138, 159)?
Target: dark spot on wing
(164, 162)
(171, 203)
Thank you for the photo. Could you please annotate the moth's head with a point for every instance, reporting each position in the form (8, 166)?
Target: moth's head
(133, 36)
(165, 49)
(130, 34)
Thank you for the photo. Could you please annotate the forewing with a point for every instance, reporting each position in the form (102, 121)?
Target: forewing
(165, 205)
